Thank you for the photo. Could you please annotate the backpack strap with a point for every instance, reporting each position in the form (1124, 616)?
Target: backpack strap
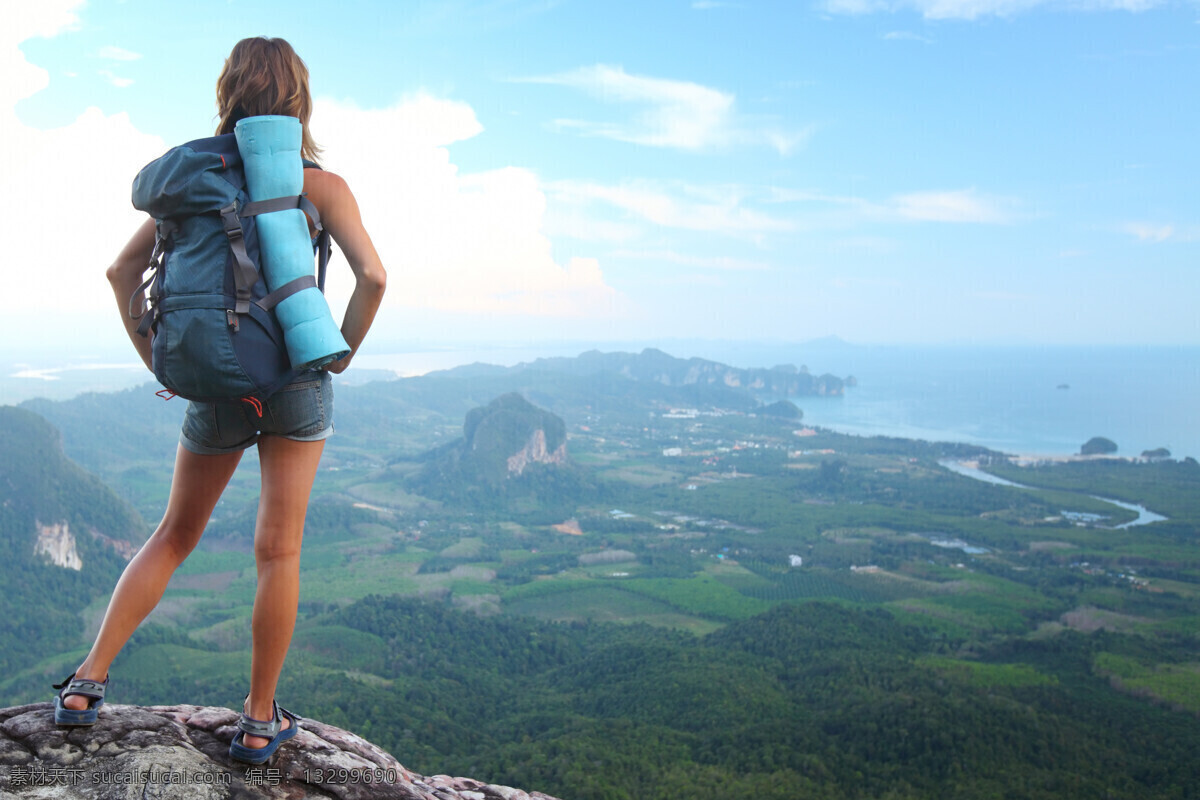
(256, 207)
(322, 258)
(147, 312)
(322, 245)
(287, 290)
(244, 271)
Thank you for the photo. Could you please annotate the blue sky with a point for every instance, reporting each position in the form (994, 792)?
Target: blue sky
(960, 171)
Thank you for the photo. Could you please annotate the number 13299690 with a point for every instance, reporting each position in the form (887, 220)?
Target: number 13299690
(355, 775)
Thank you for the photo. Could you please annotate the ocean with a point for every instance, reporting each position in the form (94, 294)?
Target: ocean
(1031, 400)
(1020, 399)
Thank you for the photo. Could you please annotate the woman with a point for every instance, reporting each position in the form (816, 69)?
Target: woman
(261, 76)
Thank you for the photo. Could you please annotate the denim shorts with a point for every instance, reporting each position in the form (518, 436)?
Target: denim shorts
(301, 411)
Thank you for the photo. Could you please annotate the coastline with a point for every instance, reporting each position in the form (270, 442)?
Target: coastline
(1005, 399)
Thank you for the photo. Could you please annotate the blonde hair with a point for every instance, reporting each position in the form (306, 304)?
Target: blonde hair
(265, 76)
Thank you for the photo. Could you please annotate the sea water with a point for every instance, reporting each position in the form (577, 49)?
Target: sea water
(1026, 399)
(1021, 400)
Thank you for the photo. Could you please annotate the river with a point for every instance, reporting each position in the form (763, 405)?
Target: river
(1144, 515)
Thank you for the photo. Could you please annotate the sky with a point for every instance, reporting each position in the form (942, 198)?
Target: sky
(541, 171)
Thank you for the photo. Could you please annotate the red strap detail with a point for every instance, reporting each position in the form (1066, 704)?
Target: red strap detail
(254, 401)
(223, 164)
(165, 394)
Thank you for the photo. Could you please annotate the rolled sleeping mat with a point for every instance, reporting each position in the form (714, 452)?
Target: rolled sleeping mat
(270, 149)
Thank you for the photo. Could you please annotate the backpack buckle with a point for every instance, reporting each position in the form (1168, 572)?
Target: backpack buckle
(231, 222)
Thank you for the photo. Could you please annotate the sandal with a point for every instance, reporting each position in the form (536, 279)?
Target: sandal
(84, 688)
(272, 730)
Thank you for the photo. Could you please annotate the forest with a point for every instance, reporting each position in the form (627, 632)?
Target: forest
(705, 601)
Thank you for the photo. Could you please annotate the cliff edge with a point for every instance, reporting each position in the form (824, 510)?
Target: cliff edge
(182, 753)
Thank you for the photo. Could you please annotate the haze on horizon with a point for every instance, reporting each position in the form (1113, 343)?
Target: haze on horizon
(901, 171)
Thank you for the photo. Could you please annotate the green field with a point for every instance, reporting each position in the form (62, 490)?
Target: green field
(1176, 685)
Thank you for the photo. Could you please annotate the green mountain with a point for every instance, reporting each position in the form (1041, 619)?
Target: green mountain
(784, 409)
(511, 453)
(737, 612)
(656, 367)
(129, 438)
(64, 538)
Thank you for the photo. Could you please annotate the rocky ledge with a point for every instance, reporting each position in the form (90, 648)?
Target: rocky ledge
(182, 753)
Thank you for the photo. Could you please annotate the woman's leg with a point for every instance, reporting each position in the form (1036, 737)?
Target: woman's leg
(195, 488)
(288, 470)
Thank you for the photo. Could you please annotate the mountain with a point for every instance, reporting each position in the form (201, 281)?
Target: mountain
(129, 438)
(784, 409)
(64, 538)
(511, 427)
(655, 366)
(510, 451)
(182, 751)
(40, 489)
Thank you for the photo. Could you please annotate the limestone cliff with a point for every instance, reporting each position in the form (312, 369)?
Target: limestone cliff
(181, 753)
(511, 452)
(536, 452)
(57, 543)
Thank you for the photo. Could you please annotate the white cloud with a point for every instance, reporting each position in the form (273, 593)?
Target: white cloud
(784, 142)
(714, 209)
(69, 211)
(949, 206)
(43, 19)
(1161, 232)
(113, 53)
(643, 212)
(956, 206)
(570, 217)
(27, 21)
(1149, 232)
(116, 80)
(973, 9)
(721, 263)
(452, 242)
(470, 243)
(71, 208)
(676, 114)
(685, 283)
(680, 114)
(906, 36)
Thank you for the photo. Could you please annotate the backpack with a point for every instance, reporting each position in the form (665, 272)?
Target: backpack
(216, 338)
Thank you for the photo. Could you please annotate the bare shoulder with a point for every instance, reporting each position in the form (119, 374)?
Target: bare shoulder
(333, 198)
(321, 184)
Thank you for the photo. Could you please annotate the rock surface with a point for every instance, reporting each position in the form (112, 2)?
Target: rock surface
(536, 452)
(57, 543)
(182, 753)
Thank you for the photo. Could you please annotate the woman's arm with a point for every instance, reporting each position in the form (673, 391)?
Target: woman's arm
(341, 217)
(125, 275)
